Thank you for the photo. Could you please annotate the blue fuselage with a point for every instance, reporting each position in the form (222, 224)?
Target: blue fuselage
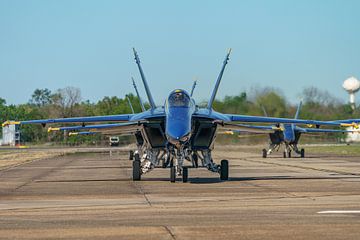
(179, 108)
(289, 133)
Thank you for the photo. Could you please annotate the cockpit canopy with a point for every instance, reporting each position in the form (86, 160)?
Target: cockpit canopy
(179, 98)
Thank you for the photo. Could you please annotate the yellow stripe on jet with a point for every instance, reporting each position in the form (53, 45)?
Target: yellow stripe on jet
(229, 132)
(50, 129)
(354, 125)
(7, 123)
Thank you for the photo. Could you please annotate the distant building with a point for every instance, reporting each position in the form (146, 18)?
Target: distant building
(10, 135)
(352, 136)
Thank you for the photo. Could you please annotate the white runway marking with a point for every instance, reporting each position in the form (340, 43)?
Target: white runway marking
(339, 211)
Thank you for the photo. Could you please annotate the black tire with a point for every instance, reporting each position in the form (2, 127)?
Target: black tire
(137, 168)
(185, 174)
(172, 174)
(224, 170)
(131, 155)
(196, 160)
(264, 153)
(289, 154)
(302, 153)
(284, 154)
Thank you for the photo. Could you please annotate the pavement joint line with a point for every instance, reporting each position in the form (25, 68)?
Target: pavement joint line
(289, 194)
(339, 211)
(33, 179)
(138, 188)
(302, 167)
(168, 229)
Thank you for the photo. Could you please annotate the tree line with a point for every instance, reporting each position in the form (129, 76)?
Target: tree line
(67, 102)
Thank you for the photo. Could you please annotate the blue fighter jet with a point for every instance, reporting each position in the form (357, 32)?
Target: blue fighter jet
(288, 134)
(177, 132)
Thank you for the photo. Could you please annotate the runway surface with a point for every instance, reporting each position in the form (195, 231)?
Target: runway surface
(92, 196)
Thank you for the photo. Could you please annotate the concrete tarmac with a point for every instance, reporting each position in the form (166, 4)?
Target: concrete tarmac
(92, 196)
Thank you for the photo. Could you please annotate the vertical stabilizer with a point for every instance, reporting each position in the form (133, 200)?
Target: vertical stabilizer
(148, 93)
(213, 95)
(298, 110)
(138, 95)
(264, 111)
(193, 88)
(131, 106)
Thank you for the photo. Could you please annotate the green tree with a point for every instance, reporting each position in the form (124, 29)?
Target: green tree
(41, 97)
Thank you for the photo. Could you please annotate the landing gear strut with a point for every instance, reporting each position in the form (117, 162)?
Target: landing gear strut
(172, 174)
(302, 153)
(131, 155)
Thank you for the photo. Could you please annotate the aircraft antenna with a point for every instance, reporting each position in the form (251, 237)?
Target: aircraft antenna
(148, 93)
(193, 88)
(138, 95)
(213, 95)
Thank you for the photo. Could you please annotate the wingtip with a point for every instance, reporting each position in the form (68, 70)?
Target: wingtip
(230, 49)
(7, 123)
(229, 132)
(51, 129)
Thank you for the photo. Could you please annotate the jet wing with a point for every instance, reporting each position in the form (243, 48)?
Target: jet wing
(318, 130)
(150, 114)
(228, 118)
(257, 119)
(109, 118)
(118, 128)
(247, 128)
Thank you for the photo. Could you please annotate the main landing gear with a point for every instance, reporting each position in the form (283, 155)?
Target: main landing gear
(223, 170)
(288, 154)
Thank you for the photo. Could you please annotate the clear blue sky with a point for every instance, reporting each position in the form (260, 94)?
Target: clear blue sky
(87, 44)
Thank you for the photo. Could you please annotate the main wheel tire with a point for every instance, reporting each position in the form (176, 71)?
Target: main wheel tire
(131, 155)
(196, 160)
(289, 154)
(137, 168)
(302, 153)
(172, 174)
(264, 153)
(284, 154)
(185, 174)
(224, 170)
